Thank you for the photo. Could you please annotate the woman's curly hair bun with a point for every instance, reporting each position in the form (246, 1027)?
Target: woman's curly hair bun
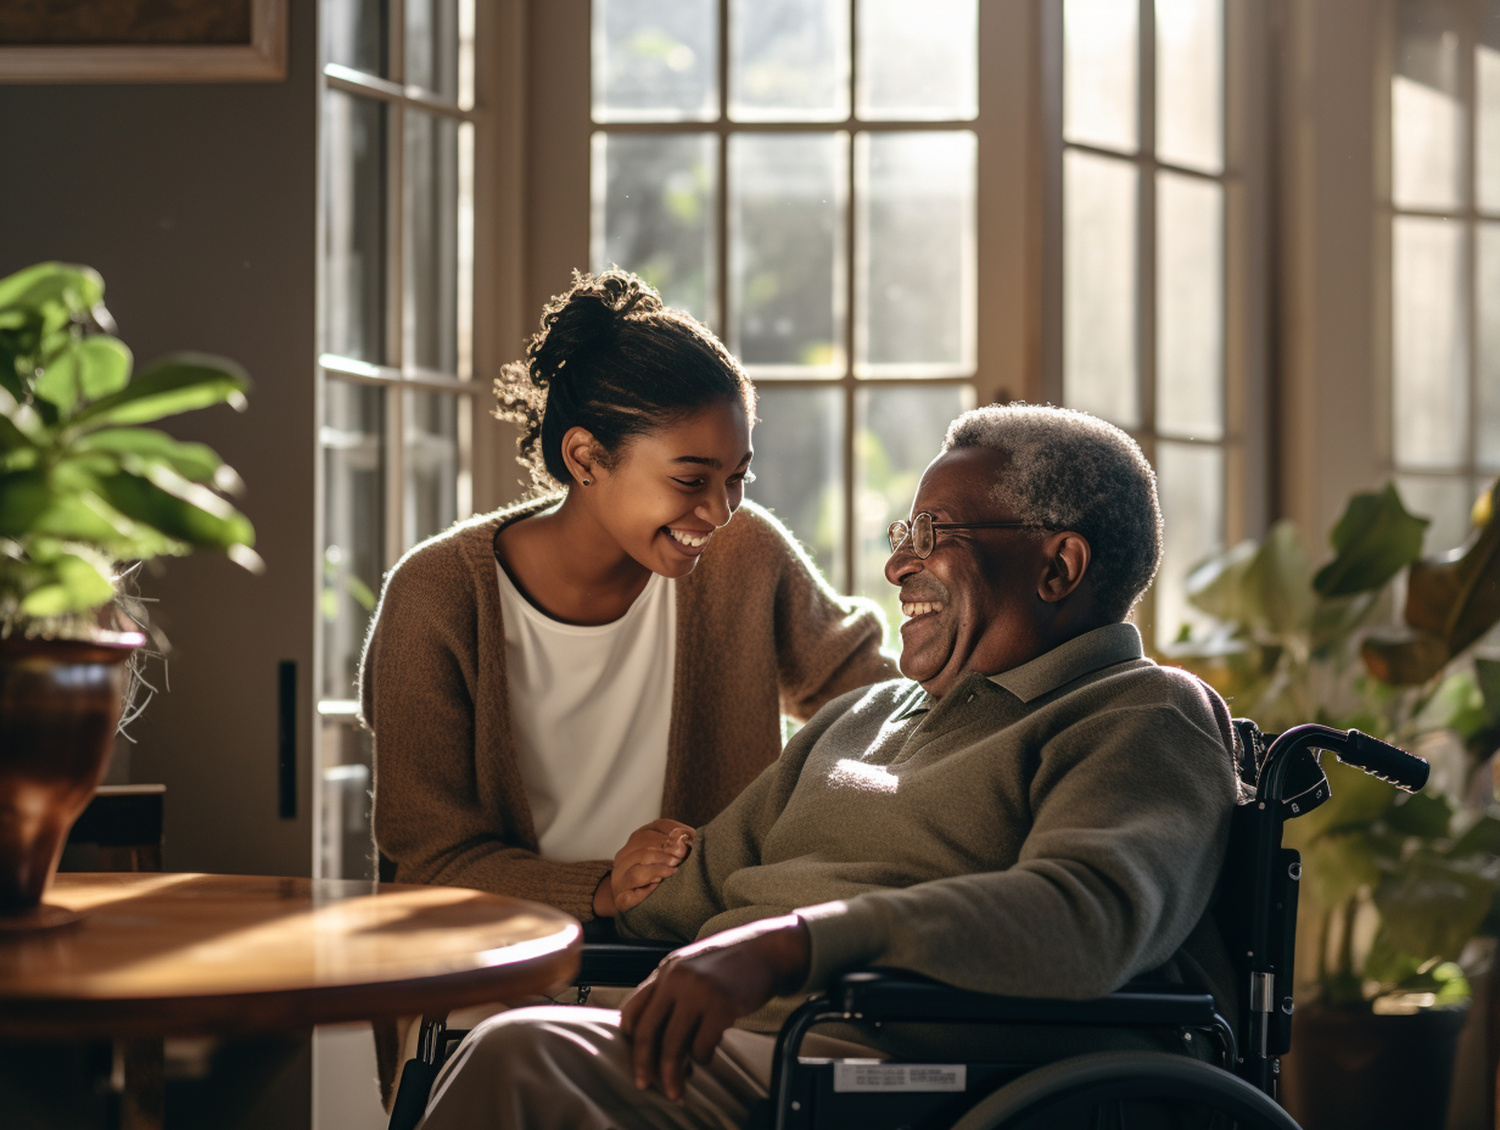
(611, 357)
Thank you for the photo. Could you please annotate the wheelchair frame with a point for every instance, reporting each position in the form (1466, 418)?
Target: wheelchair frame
(1256, 910)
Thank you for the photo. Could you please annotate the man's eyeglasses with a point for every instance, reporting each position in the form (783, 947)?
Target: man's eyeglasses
(923, 531)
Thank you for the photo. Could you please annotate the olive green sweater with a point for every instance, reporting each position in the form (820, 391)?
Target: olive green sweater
(759, 632)
(1054, 830)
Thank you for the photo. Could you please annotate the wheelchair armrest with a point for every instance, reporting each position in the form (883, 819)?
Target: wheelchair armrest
(619, 963)
(894, 995)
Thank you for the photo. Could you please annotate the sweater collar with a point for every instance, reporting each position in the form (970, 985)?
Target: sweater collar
(1080, 656)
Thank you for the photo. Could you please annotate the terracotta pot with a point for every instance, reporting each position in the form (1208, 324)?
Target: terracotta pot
(60, 701)
(1349, 1067)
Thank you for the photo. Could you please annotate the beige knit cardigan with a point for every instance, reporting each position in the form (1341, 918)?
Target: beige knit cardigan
(759, 633)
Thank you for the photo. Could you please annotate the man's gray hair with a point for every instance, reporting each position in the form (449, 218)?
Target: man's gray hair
(1067, 470)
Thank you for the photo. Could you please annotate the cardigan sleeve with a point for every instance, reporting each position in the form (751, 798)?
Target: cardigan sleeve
(826, 644)
(431, 814)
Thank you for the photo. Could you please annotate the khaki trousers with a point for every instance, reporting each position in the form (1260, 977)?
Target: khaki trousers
(568, 1068)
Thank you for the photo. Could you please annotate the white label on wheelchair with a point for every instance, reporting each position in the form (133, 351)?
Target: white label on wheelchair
(872, 1075)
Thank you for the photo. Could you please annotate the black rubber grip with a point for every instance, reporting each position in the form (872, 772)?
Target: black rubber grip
(1385, 761)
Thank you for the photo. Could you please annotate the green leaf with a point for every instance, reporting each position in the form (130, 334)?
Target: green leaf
(1430, 908)
(1482, 839)
(35, 287)
(1457, 597)
(1487, 675)
(1403, 658)
(103, 366)
(79, 586)
(1218, 586)
(1373, 540)
(1280, 577)
(196, 462)
(189, 513)
(23, 497)
(12, 438)
(84, 518)
(1337, 866)
(181, 384)
(1420, 815)
(58, 385)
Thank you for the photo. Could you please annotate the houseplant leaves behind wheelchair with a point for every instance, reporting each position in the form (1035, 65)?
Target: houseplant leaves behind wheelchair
(1398, 884)
(86, 490)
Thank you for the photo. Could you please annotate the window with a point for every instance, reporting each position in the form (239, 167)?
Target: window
(397, 221)
(1155, 281)
(1443, 189)
(803, 175)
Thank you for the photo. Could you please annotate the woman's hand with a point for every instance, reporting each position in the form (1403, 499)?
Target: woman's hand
(652, 853)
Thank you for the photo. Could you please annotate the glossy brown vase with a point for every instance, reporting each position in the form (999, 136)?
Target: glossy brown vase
(60, 701)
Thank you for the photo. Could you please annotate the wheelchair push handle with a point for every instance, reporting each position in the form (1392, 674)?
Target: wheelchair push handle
(1380, 759)
(1293, 748)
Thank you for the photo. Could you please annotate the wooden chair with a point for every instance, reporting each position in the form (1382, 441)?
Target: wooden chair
(122, 829)
(124, 823)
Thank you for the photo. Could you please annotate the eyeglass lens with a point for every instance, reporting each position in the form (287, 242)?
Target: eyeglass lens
(920, 530)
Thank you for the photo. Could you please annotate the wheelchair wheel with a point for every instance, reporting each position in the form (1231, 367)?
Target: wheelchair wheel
(1063, 1093)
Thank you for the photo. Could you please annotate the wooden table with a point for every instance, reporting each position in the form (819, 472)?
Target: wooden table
(166, 954)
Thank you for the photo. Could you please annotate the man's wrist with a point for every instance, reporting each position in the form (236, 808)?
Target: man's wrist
(789, 948)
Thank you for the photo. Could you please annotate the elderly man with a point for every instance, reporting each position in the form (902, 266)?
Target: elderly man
(1036, 810)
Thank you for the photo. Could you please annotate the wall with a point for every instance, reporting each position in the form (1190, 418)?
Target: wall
(197, 203)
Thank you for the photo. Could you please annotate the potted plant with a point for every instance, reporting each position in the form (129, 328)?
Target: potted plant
(1398, 884)
(84, 490)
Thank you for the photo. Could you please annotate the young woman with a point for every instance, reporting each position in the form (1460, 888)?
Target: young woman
(544, 680)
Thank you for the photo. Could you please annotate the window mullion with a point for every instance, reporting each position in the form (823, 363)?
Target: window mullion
(1468, 96)
(395, 290)
(1146, 220)
(850, 385)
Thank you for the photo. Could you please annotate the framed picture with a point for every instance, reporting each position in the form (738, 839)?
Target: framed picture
(142, 40)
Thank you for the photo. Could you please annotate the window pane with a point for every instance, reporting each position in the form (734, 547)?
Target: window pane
(1446, 500)
(1190, 82)
(799, 468)
(354, 34)
(353, 444)
(432, 45)
(1190, 482)
(432, 464)
(787, 202)
(344, 836)
(1190, 306)
(1487, 98)
(354, 226)
(915, 302)
(789, 60)
(900, 432)
(913, 69)
(430, 262)
(1099, 272)
(653, 213)
(1429, 357)
(1100, 47)
(656, 60)
(1426, 111)
(1488, 306)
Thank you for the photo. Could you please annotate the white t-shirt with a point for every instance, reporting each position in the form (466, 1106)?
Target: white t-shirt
(590, 708)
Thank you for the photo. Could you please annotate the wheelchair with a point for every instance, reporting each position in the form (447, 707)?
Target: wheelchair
(1233, 1084)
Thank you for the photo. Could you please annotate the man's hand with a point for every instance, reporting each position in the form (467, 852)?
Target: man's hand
(700, 990)
(652, 853)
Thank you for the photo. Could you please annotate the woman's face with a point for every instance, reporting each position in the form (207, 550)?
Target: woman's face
(670, 489)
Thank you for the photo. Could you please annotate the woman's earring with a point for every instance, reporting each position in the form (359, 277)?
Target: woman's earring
(588, 482)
